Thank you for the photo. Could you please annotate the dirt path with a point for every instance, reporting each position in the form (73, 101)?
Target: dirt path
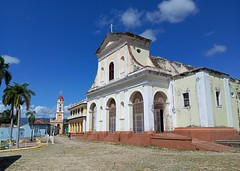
(68, 154)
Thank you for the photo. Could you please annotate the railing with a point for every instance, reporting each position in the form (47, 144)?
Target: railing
(76, 104)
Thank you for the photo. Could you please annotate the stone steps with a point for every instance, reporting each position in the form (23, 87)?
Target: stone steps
(232, 143)
(211, 146)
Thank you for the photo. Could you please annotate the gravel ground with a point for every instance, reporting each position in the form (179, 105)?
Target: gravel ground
(68, 154)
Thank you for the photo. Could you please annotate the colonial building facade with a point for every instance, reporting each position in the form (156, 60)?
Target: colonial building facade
(58, 121)
(77, 117)
(134, 91)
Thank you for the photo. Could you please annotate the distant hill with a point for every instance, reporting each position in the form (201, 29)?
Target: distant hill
(25, 120)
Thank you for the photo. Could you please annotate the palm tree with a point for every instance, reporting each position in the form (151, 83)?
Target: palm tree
(31, 120)
(4, 73)
(8, 100)
(16, 96)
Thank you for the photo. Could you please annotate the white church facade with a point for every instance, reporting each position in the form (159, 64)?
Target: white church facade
(134, 91)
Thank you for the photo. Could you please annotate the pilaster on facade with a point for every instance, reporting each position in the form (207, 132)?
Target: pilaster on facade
(204, 99)
(228, 102)
(88, 118)
(118, 105)
(105, 70)
(126, 60)
(104, 115)
(126, 111)
(117, 70)
(97, 116)
(98, 78)
(148, 108)
(172, 106)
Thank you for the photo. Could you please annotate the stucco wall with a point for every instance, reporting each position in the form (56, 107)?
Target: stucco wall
(219, 112)
(186, 116)
(141, 55)
(235, 101)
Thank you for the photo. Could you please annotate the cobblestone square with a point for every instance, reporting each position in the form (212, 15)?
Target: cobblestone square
(73, 154)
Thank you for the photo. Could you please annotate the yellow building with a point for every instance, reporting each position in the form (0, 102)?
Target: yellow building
(134, 91)
(77, 117)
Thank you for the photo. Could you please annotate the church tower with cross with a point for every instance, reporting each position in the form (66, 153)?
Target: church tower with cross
(58, 122)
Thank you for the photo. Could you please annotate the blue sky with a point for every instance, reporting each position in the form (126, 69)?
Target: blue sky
(51, 44)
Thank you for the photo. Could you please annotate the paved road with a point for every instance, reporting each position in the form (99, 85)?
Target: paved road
(68, 154)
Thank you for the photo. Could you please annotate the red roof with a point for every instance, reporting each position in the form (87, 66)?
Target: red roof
(60, 97)
(5, 125)
(40, 122)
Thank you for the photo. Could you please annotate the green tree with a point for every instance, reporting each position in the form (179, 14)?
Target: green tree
(18, 95)
(8, 100)
(4, 73)
(31, 120)
(5, 117)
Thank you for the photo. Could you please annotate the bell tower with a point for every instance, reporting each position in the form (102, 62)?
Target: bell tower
(59, 114)
(60, 108)
(58, 122)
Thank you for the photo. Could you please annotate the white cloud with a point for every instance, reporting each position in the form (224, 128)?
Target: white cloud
(10, 59)
(104, 21)
(150, 34)
(97, 32)
(173, 11)
(46, 112)
(131, 18)
(209, 33)
(41, 111)
(216, 49)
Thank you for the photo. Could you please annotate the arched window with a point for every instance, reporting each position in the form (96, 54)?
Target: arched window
(111, 71)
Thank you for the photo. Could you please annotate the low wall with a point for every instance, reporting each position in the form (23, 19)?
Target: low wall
(207, 133)
(180, 138)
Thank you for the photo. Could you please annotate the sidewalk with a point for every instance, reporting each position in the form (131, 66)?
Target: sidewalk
(24, 145)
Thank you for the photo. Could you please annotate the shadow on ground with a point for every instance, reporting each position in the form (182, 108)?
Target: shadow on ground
(5, 162)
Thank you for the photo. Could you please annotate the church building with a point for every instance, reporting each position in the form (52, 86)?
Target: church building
(58, 121)
(134, 91)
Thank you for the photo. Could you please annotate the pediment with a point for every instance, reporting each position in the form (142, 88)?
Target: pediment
(109, 40)
(114, 38)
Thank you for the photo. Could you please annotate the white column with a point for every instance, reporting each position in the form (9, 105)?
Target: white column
(105, 71)
(104, 115)
(126, 60)
(118, 108)
(172, 107)
(204, 99)
(88, 117)
(126, 111)
(84, 125)
(97, 116)
(148, 112)
(228, 102)
(99, 73)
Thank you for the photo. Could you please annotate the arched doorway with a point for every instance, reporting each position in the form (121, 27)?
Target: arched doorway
(112, 115)
(159, 105)
(138, 112)
(93, 109)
